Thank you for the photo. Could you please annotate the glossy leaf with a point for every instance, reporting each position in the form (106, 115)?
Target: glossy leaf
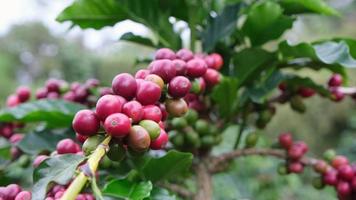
(57, 113)
(221, 26)
(225, 96)
(335, 53)
(130, 37)
(161, 193)
(303, 6)
(265, 21)
(128, 190)
(157, 168)
(59, 169)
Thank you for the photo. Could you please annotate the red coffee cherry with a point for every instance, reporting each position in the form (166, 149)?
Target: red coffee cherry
(345, 172)
(337, 95)
(339, 161)
(117, 125)
(12, 101)
(24, 195)
(343, 188)
(302, 145)
(179, 87)
(41, 93)
(152, 112)
(23, 93)
(196, 68)
(295, 152)
(335, 80)
(176, 107)
(282, 86)
(160, 142)
(163, 111)
(155, 79)
(210, 62)
(321, 167)
(53, 85)
(218, 61)
(134, 110)
(38, 160)
(124, 85)
(185, 54)
(165, 53)
(12, 191)
(353, 183)
(69, 96)
(306, 92)
(197, 105)
(105, 91)
(81, 138)
(211, 77)
(142, 74)
(74, 86)
(181, 67)
(52, 95)
(139, 139)
(86, 123)
(81, 94)
(107, 105)
(285, 140)
(163, 68)
(148, 93)
(67, 146)
(295, 167)
(330, 177)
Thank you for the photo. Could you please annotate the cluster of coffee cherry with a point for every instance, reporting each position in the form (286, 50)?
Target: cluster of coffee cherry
(134, 114)
(57, 192)
(14, 192)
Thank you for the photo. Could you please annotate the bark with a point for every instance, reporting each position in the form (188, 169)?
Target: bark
(204, 182)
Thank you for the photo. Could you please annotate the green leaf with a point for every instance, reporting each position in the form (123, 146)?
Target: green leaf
(221, 26)
(157, 168)
(128, 190)
(335, 53)
(130, 37)
(251, 61)
(57, 113)
(59, 169)
(46, 140)
(303, 6)
(161, 193)
(265, 21)
(225, 96)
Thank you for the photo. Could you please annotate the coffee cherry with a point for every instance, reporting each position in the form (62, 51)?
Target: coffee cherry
(295, 167)
(163, 68)
(80, 138)
(192, 138)
(151, 127)
(251, 139)
(12, 101)
(345, 172)
(176, 107)
(148, 93)
(53, 85)
(23, 93)
(92, 83)
(66, 146)
(343, 188)
(86, 122)
(179, 86)
(107, 105)
(209, 60)
(16, 138)
(69, 96)
(163, 111)
(91, 144)
(285, 140)
(155, 79)
(152, 112)
(207, 141)
(282, 86)
(165, 53)
(337, 95)
(297, 104)
(295, 152)
(339, 161)
(202, 126)
(306, 92)
(177, 139)
(52, 95)
(12, 191)
(38, 160)
(41, 93)
(321, 166)
(330, 177)
(218, 61)
(211, 77)
(197, 105)
(116, 152)
(124, 85)
(318, 183)
(329, 155)
(139, 139)
(353, 183)
(302, 145)
(335, 80)
(191, 116)
(160, 142)
(185, 54)
(134, 110)
(196, 68)
(117, 125)
(179, 123)
(282, 169)
(181, 67)
(142, 74)
(24, 195)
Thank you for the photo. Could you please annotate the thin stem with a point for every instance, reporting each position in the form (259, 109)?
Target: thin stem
(241, 130)
(79, 182)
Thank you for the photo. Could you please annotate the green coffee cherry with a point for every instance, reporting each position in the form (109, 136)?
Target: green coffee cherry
(151, 127)
(207, 141)
(297, 104)
(192, 138)
(282, 169)
(178, 140)
(191, 116)
(179, 123)
(91, 143)
(318, 183)
(329, 155)
(202, 127)
(117, 152)
(105, 162)
(218, 139)
(23, 160)
(195, 87)
(251, 139)
(213, 130)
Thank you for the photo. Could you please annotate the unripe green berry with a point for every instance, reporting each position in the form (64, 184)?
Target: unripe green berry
(297, 104)
(213, 130)
(202, 127)
(105, 162)
(318, 183)
(178, 140)
(117, 152)
(282, 169)
(207, 141)
(251, 139)
(191, 116)
(192, 138)
(151, 127)
(179, 123)
(91, 143)
(329, 155)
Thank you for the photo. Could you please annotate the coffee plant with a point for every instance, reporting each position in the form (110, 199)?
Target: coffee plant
(151, 135)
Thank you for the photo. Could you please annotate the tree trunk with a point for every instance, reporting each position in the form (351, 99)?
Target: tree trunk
(204, 184)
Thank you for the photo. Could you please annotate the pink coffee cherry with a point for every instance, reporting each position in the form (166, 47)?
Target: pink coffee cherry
(124, 85)
(69, 96)
(295, 167)
(196, 68)
(163, 111)
(306, 92)
(86, 123)
(353, 183)
(210, 62)
(107, 105)
(343, 188)
(134, 110)
(181, 67)
(53, 85)
(66, 146)
(12, 191)
(337, 95)
(92, 82)
(52, 95)
(321, 166)
(80, 197)
(148, 93)
(152, 112)
(58, 195)
(345, 172)
(142, 73)
(179, 87)
(185, 54)
(41, 93)
(295, 152)
(24, 195)
(218, 61)
(163, 68)
(23, 93)
(15, 138)
(285, 140)
(339, 161)
(117, 125)
(38, 160)
(105, 91)
(211, 77)
(160, 142)
(74, 86)
(302, 145)
(12, 101)
(335, 80)
(165, 53)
